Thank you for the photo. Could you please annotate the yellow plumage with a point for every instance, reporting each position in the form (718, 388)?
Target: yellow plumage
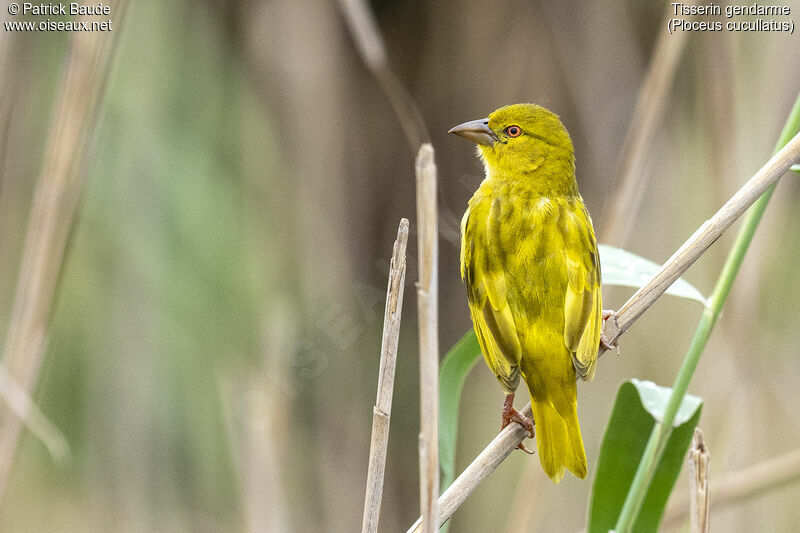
(530, 263)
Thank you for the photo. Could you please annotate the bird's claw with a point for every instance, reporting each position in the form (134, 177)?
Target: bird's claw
(603, 341)
(608, 345)
(512, 415)
(521, 446)
(519, 418)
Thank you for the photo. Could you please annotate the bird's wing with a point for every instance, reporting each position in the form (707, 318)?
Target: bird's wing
(487, 292)
(583, 307)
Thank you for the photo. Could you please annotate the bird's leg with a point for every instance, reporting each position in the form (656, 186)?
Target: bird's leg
(603, 341)
(512, 415)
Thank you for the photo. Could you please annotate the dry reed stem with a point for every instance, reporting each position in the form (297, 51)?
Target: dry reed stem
(478, 470)
(56, 199)
(366, 34)
(5, 95)
(699, 518)
(632, 179)
(700, 241)
(257, 409)
(618, 324)
(381, 412)
(427, 305)
(739, 486)
(529, 487)
(256, 413)
(20, 403)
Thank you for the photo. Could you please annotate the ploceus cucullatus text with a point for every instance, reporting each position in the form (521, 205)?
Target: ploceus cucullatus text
(530, 262)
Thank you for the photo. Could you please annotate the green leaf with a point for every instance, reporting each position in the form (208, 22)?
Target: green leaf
(796, 168)
(620, 267)
(639, 405)
(452, 375)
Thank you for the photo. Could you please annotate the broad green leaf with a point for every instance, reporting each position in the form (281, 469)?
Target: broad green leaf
(452, 375)
(796, 168)
(639, 405)
(621, 267)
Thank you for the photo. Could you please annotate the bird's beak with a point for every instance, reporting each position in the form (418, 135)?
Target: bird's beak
(476, 131)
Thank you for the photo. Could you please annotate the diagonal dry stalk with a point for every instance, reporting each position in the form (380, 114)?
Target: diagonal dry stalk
(56, 200)
(382, 410)
(478, 470)
(362, 25)
(427, 309)
(681, 260)
(698, 482)
(702, 239)
(20, 403)
(632, 179)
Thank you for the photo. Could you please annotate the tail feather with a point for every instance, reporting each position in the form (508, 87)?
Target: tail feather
(558, 439)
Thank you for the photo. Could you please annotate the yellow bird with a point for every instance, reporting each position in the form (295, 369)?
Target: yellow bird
(530, 263)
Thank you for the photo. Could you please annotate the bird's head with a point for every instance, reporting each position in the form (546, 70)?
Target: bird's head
(520, 138)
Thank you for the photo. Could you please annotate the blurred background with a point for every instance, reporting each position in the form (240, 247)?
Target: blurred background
(214, 342)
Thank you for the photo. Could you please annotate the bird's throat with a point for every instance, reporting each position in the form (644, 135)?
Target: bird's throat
(535, 178)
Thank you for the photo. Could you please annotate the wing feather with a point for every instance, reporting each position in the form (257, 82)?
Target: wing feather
(583, 304)
(488, 294)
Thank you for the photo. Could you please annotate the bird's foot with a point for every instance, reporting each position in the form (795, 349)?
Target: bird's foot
(512, 415)
(603, 341)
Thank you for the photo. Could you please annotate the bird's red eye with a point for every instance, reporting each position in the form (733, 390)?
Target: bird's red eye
(513, 131)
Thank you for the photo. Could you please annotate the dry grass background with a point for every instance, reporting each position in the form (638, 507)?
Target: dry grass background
(215, 342)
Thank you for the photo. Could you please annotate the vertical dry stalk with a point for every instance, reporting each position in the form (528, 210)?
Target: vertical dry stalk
(256, 415)
(427, 290)
(382, 410)
(699, 518)
(55, 202)
(257, 409)
(361, 23)
(738, 486)
(529, 488)
(5, 97)
(5, 92)
(632, 180)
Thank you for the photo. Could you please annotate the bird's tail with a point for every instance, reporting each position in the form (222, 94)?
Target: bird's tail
(558, 435)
